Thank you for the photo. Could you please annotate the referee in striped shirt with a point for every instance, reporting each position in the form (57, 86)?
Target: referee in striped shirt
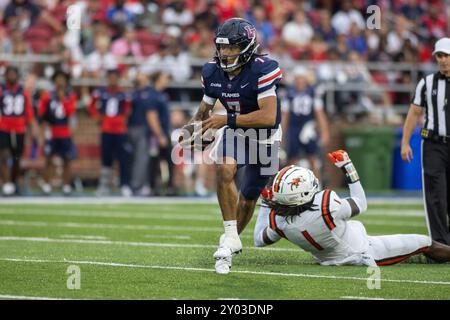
(432, 95)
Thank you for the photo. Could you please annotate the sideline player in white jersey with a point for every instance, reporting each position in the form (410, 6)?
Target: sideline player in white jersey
(320, 222)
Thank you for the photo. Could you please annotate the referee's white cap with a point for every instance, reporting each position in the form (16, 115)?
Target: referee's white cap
(442, 45)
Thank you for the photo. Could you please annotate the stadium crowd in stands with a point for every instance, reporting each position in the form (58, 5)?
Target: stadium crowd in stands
(142, 40)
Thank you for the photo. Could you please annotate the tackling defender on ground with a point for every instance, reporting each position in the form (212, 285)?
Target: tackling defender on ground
(319, 221)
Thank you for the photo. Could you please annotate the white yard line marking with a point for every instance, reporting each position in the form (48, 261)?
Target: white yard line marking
(111, 209)
(135, 244)
(364, 298)
(107, 200)
(76, 236)
(165, 228)
(11, 296)
(109, 226)
(150, 215)
(276, 274)
(167, 237)
(169, 213)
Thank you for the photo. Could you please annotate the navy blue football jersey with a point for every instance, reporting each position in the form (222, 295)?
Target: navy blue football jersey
(301, 106)
(240, 94)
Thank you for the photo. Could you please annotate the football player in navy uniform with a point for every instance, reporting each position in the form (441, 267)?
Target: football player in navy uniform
(111, 106)
(245, 83)
(56, 108)
(16, 114)
(302, 113)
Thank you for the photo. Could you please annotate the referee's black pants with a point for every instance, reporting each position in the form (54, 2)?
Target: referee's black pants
(436, 183)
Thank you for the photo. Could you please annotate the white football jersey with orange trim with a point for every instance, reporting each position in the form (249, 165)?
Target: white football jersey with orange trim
(323, 231)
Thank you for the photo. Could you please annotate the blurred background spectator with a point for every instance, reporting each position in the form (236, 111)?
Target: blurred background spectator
(359, 72)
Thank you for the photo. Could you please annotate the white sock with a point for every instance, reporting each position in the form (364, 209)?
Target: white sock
(230, 228)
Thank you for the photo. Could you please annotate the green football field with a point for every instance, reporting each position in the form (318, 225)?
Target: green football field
(164, 251)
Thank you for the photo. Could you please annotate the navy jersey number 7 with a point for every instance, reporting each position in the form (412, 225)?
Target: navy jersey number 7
(239, 95)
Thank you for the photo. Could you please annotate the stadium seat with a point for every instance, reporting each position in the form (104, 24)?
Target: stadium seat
(38, 36)
(149, 42)
(59, 12)
(38, 32)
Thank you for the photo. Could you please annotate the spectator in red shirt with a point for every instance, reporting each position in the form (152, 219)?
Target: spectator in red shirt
(111, 106)
(55, 109)
(16, 112)
(435, 22)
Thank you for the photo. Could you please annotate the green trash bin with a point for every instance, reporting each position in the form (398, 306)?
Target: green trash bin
(371, 149)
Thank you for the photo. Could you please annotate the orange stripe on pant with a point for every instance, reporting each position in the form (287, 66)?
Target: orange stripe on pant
(394, 260)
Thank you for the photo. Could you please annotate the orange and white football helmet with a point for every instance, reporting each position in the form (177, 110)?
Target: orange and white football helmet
(294, 186)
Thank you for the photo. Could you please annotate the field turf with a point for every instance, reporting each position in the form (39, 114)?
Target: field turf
(164, 251)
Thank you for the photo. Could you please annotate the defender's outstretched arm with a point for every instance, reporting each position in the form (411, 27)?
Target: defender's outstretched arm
(357, 203)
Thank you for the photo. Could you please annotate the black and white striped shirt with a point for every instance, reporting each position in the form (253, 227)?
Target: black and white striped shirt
(433, 94)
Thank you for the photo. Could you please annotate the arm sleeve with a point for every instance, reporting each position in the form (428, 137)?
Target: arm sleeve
(263, 235)
(269, 75)
(419, 96)
(209, 100)
(353, 205)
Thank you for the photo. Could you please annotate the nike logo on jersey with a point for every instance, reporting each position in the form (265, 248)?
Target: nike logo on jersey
(243, 86)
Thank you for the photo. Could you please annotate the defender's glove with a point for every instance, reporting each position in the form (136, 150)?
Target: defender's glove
(192, 138)
(341, 160)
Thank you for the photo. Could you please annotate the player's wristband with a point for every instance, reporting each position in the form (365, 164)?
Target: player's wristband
(351, 175)
(231, 120)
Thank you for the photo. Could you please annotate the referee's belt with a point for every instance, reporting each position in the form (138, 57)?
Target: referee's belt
(433, 136)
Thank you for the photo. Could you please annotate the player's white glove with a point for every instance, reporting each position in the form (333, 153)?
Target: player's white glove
(341, 160)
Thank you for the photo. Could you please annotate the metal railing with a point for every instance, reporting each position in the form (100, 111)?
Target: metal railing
(330, 88)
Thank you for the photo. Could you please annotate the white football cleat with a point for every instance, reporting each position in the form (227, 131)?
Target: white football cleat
(223, 265)
(46, 188)
(9, 189)
(67, 189)
(126, 191)
(224, 254)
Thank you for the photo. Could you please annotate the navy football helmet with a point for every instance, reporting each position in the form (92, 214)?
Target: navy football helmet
(236, 32)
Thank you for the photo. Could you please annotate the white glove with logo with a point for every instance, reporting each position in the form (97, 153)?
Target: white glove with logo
(341, 160)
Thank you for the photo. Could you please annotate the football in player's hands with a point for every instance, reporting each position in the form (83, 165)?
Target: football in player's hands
(191, 137)
(187, 132)
(339, 158)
